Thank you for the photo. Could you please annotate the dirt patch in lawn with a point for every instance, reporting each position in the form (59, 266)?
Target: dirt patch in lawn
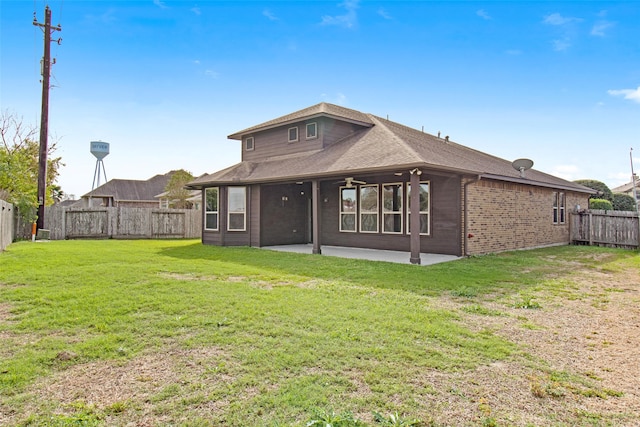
(582, 337)
(138, 387)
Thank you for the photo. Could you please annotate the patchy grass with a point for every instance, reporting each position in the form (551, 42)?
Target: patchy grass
(174, 332)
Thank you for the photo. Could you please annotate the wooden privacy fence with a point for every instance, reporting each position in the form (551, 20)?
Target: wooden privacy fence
(7, 224)
(606, 228)
(122, 223)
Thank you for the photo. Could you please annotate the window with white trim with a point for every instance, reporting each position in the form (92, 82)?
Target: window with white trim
(249, 144)
(312, 130)
(211, 209)
(558, 208)
(369, 208)
(348, 209)
(424, 207)
(293, 134)
(392, 208)
(237, 208)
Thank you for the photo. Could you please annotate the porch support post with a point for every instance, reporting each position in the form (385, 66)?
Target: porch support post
(315, 207)
(414, 207)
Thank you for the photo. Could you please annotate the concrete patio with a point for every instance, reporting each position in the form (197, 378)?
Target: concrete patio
(368, 254)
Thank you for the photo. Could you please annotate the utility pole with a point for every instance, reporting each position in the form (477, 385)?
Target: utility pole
(44, 115)
(633, 180)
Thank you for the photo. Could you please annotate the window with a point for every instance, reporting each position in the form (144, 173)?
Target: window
(248, 143)
(293, 134)
(312, 130)
(558, 208)
(369, 208)
(348, 209)
(237, 202)
(392, 208)
(211, 211)
(424, 207)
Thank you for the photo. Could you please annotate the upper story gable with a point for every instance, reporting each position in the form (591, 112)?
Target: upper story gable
(311, 129)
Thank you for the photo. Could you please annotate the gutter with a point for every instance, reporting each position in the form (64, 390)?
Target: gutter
(466, 214)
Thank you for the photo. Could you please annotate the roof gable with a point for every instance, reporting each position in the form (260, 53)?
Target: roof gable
(318, 110)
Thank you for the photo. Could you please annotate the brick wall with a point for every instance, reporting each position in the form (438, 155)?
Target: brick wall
(506, 216)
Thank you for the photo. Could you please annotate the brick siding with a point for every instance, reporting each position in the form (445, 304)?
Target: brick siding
(506, 216)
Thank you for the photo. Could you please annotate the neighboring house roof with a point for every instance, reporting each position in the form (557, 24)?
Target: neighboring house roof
(382, 145)
(132, 190)
(626, 188)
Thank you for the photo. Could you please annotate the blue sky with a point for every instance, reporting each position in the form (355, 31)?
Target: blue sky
(164, 82)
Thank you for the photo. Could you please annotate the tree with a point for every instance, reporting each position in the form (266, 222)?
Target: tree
(19, 158)
(623, 202)
(176, 191)
(603, 191)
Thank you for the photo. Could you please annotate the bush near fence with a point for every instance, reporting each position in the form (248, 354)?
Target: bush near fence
(122, 223)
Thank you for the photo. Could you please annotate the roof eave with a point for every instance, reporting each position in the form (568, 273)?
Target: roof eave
(527, 181)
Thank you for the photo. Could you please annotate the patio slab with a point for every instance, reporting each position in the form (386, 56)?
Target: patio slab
(368, 254)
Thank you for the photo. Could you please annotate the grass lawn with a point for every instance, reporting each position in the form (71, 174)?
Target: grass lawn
(176, 333)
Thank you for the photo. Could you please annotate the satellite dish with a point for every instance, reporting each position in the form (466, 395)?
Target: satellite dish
(522, 165)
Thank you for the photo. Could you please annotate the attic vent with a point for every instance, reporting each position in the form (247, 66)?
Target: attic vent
(446, 138)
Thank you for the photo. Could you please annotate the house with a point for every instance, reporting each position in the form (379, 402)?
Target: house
(330, 175)
(628, 188)
(194, 200)
(127, 193)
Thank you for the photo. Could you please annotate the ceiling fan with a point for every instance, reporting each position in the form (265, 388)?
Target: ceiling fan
(349, 181)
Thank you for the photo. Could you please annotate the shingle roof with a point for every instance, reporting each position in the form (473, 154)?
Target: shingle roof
(129, 189)
(384, 146)
(625, 187)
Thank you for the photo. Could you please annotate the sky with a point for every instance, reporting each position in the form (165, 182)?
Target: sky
(164, 82)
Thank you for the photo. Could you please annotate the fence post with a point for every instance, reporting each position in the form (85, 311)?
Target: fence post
(590, 229)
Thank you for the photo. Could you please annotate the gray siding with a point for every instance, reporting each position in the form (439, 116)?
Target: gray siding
(275, 142)
(274, 221)
(445, 219)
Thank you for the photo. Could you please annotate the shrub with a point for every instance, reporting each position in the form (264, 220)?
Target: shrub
(623, 202)
(600, 204)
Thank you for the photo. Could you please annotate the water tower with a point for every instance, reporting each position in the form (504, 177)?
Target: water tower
(100, 150)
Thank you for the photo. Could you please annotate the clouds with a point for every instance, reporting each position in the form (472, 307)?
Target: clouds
(348, 20)
(269, 15)
(568, 29)
(630, 94)
(559, 20)
(599, 28)
(160, 4)
(483, 14)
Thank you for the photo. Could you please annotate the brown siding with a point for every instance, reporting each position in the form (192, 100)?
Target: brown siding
(253, 216)
(222, 237)
(506, 216)
(275, 142)
(445, 218)
(335, 130)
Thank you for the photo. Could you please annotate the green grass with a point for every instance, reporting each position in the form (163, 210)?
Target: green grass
(287, 334)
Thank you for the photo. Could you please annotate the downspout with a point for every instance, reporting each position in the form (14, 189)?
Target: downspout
(466, 213)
